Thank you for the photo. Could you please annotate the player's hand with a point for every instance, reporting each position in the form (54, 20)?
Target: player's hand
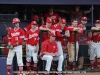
(27, 50)
(52, 54)
(35, 50)
(56, 54)
(17, 43)
(49, 30)
(9, 43)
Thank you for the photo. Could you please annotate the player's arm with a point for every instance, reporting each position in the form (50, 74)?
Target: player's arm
(63, 11)
(44, 29)
(26, 40)
(87, 11)
(9, 38)
(67, 32)
(95, 28)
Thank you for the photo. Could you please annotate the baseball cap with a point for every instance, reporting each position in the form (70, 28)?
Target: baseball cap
(8, 28)
(97, 21)
(84, 18)
(49, 20)
(35, 17)
(52, 34)
(63, 21)
(33, 23)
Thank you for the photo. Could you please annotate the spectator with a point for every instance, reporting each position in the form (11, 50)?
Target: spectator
(5, 40)
(51, 14)
(77, 13)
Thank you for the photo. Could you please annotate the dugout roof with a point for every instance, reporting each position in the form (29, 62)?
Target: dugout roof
(53, 2)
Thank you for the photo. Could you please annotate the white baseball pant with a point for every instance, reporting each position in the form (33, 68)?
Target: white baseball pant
(60, 50)
(18, 51)
(94, 50)
(71, 51)
(31, 53)
(49, 59)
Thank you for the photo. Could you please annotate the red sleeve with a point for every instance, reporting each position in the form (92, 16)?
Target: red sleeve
(9, 36)
(44, 46)
(43, 26)
(56, 48)
(28, 27)
(81, 30)
(26, 36)
(58, 32)
(22, 36)
(71, 28)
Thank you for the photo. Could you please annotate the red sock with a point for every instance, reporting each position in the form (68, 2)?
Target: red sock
(98, 60)
(8, 69)
(35, 66)
(73, 66)
(92, 63)
(28, 66)
(20, 69)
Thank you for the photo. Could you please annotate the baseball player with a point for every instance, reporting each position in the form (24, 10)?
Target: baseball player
(48, 28)
(28, 27)
(83, 43)
(5, 40)
(32, 40)
(61, 32)
(15, 37)
(95, 45)
(71, 44)
(49, 51)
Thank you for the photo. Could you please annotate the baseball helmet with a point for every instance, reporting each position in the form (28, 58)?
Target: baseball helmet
(15, 20)
(97, 21)
(49, 20)
(33, 23)
(35, 17)
(84, 18)
(63, 21)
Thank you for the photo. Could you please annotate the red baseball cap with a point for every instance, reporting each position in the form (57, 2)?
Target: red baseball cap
(84, 18)
(52, 34)
(8, 28)
(63, 21)
(49, 20)
(33, 23)
(97, 21)
(35, 17)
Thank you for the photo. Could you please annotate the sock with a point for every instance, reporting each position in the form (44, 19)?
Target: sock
(8, 69)
(98, 60)
(35, 66)
(73, 65)
(20, 69)
(92, 63)
(28, 65)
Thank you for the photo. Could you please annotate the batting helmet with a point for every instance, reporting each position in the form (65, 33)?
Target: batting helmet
(84, 18)
(15, 20)
(8, 28)
(49, 20)
(63, 21)
(33, 23)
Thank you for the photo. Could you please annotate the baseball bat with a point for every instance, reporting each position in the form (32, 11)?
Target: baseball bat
(5, 24)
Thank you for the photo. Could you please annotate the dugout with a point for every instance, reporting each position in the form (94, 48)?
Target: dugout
(41, 6)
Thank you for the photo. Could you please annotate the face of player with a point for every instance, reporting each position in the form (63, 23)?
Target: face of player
(62, 24)
(51, 9)
(83, 22)
(48, 24)
(97, 24)
(77, 8)
(52, 38)
(16, 25)
(75, 23)
(33, 26)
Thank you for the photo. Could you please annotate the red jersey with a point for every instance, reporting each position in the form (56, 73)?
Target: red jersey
(28, 27)
(95, 36)
(59, 36)
(46, 35)
(5, 40)
(55, 17)
(83, 39)
(15, 36)
(71, 29)
(32, 37)
(50, 47)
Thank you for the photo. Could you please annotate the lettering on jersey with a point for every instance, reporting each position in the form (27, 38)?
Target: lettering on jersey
(53, 17)
(32, 35)
(96, 33)
(15, 34)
